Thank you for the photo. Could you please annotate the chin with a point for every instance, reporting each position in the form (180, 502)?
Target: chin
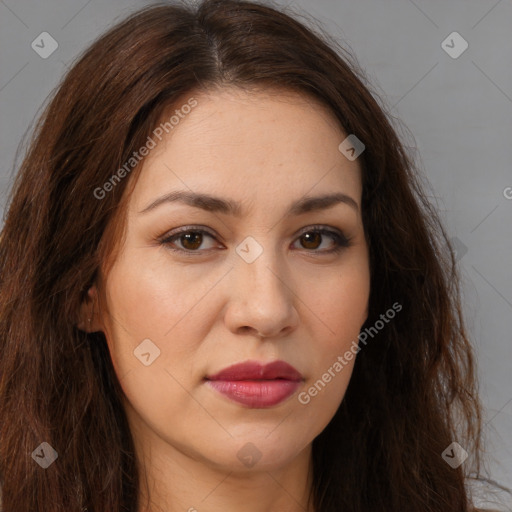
(260, 452)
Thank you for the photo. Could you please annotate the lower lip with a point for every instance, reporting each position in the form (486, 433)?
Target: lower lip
(256, 393)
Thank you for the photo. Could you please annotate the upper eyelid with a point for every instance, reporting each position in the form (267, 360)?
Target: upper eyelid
(186, 229)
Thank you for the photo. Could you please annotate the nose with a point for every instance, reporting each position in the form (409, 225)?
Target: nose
(261, 298)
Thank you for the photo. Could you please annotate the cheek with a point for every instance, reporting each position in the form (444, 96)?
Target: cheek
(148, 299)
(155, 322)
(337, 301)
(338, 309)
(162, 309)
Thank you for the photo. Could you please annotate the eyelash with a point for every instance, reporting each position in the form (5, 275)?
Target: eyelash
(340, 240)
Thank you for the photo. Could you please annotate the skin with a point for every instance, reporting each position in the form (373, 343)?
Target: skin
(204, 312)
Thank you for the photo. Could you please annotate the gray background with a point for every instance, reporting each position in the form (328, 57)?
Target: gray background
(458, 110)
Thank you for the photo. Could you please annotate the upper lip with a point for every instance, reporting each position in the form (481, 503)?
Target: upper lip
(253, 370)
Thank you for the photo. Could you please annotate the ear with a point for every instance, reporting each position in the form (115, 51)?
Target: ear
(89, 315)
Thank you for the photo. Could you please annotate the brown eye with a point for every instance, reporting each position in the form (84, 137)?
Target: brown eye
(191, 240)
(188, 241)
(311, 240)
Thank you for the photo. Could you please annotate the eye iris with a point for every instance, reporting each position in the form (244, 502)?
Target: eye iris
(194, 237)
(314, 238)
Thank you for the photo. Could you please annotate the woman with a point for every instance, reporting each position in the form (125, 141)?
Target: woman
(223, 288)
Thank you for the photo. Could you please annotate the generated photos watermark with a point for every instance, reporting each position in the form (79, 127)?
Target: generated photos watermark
(137, 156)
(341, 361)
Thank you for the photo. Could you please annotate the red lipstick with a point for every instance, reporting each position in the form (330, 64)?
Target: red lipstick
(256, 385)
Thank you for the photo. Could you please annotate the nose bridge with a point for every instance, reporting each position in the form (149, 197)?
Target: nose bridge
(259, 265)
(261, 297)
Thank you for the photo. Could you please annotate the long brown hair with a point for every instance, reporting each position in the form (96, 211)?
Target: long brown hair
(413, 390)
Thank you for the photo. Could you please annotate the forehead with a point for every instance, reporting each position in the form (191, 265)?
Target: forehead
(247, 144)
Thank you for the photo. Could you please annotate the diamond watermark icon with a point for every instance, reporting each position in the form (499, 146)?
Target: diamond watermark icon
(44, 45)
(454, 455)
(44, 455)
(249, 455)
(249, 249)
(454, 45)
(459, 248)
(351, 147)
(146, 352)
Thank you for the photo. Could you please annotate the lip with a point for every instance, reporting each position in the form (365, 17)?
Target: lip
(257, 385)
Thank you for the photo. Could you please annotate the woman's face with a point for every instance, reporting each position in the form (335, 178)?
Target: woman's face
(255, 279)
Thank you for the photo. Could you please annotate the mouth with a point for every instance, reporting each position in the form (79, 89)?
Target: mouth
(255, 385)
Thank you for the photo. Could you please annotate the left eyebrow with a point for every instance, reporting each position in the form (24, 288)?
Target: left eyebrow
(230, 207)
